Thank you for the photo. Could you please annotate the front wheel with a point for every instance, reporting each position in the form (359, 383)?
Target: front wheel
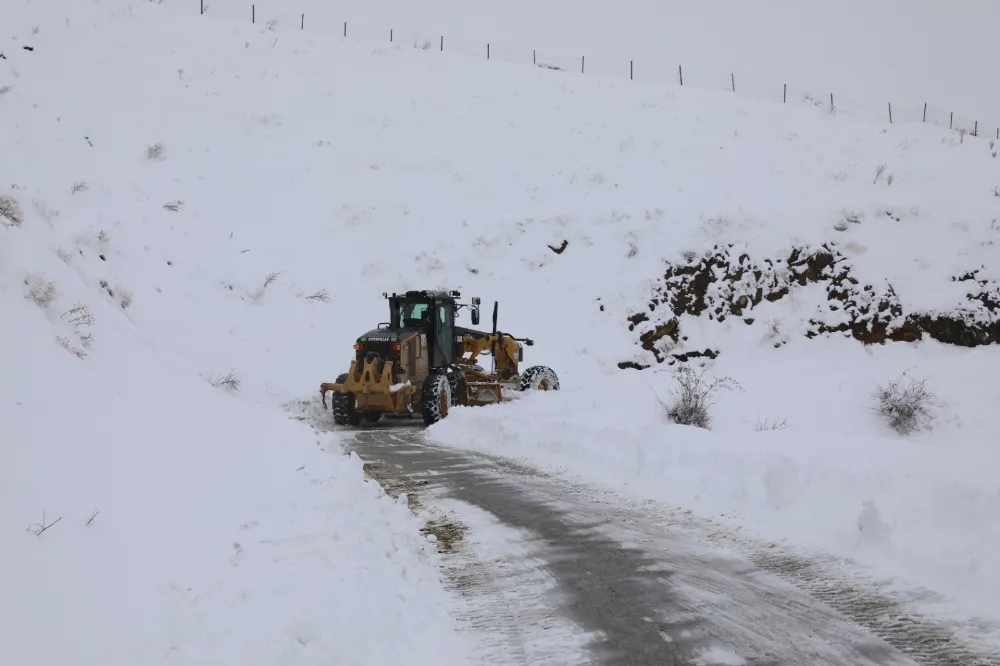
(435, 398)
(539, 378)
(344, 406)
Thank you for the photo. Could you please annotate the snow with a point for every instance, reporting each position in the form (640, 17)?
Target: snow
(187, 523)
(299, 162)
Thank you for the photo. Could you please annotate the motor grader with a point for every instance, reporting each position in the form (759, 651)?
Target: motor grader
(420, 363)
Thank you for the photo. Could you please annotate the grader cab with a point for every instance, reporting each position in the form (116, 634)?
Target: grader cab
(421, 363)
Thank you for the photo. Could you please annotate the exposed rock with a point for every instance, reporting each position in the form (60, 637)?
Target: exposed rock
(718, 285)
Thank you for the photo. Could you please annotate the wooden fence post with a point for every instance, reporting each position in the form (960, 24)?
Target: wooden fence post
(890, 113)
(732, 79)
(784, 94)
(925, 113)
(680, 73)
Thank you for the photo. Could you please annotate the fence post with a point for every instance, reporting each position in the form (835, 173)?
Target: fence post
(975, 130)
(442, 43)
(732, 79)
(631, 70)
(890, 113)
(951, 120)
(925, 113)
(680, 73)
(534, 59)
(583, 59)
(487, 50)
(303, 27)
(253, 12)
(831, 102)
(345, 28)
(202, 6)
(784, 94)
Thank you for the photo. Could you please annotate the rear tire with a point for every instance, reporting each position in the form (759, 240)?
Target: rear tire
(539, 378)
(345, 406)
(435, 398)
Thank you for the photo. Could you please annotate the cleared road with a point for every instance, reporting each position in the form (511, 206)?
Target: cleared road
(638, 587)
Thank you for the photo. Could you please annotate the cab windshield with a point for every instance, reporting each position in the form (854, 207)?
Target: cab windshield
(413, 314)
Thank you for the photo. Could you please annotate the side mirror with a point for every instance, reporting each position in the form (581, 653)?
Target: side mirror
(475, 316)
(476, 301)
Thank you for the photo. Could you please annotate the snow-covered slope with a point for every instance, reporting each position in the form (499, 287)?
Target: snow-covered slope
(147, 516)
(193, 182)
(866, 52)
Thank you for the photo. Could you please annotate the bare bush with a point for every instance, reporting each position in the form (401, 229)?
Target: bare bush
(768, 424)
(996, 191)
(322, 295)
(879, 170)
(694, 396)
(40, 290)
(906, 404)
(124, 298)
(5, 89)
(174, 206)
(79, 315)
(268, 281)
(155, 152)
(80, 352)
(11, 214)
(80, 186)
(230, 381)
(890, 179)
(40, 528)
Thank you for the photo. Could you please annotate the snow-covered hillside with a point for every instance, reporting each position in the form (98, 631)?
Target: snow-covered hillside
(222, 198)
(868, 53)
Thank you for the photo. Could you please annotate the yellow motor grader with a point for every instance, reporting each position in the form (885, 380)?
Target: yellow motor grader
(420, 363)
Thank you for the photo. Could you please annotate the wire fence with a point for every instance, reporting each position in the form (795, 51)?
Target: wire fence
(557, 59)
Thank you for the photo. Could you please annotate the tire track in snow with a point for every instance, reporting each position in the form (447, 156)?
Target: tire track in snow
(505, 595)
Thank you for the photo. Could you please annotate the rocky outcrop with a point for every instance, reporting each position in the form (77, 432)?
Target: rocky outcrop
(719, 285)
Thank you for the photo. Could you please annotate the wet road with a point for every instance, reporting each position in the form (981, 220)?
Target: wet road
(628, 580)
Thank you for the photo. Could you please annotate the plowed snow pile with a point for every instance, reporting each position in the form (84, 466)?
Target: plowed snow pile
(199, 218)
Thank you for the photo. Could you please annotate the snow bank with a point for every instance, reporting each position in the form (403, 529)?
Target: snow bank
(183, 523)
(832, 479)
